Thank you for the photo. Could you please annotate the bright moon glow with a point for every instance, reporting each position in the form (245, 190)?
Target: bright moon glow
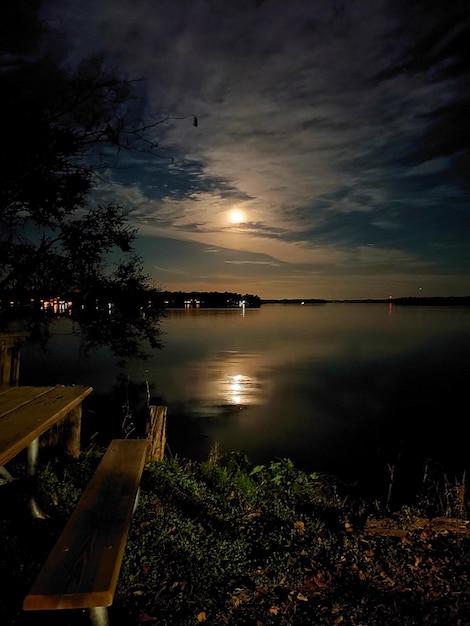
(236, 216)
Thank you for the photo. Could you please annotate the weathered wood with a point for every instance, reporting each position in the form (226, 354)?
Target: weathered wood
(83, 567)
(65, 435)
(156, 432)
(10, 348)
(27, 412)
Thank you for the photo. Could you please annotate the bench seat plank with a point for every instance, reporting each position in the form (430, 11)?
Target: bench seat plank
(82, 569)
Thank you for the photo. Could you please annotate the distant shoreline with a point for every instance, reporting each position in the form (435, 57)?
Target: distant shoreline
(411, 300)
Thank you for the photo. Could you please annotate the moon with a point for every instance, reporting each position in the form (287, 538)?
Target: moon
(236, 216)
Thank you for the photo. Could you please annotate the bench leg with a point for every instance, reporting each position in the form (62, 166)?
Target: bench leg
(33, 453)
(99, 616)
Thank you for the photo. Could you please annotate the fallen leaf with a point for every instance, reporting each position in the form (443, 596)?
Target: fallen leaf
(143, 617)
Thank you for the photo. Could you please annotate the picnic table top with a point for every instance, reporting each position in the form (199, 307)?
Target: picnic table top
(26, 412)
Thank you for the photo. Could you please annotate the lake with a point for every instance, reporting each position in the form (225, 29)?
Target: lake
(347, 389)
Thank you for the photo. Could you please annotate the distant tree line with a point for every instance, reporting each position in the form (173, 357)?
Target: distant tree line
(208, 299)
(434, 301)
(295, 301)
(415, 301)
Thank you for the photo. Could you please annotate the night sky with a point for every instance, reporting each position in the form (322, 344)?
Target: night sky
(331, 155)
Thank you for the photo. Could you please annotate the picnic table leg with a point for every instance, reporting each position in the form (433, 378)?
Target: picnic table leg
(99, 616)
(71, 432)
(5, 476)
(65, 435)
(33, 453)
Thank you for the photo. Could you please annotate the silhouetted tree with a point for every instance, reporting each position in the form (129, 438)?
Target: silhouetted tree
(60, 130)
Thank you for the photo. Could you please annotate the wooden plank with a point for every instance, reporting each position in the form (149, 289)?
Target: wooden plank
(65, 435)
(18, 428)
(10, 348)
(156, 432)
(82, 569)
(14, 397)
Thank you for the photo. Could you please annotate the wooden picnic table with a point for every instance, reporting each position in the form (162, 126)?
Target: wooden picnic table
(26, 413)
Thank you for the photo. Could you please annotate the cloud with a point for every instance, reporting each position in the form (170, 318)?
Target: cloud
(274, 264)
(332, 126)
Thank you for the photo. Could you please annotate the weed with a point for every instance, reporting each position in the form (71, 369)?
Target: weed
(228, 542)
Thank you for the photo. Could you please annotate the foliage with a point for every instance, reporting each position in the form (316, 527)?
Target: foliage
(229, 542)
(65, 128)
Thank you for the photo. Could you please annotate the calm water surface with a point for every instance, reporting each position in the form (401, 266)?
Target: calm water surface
(347, 389)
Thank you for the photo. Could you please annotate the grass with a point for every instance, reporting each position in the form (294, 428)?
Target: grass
(228, 542)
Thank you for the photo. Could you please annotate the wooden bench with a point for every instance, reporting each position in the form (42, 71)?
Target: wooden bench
(82, 570)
